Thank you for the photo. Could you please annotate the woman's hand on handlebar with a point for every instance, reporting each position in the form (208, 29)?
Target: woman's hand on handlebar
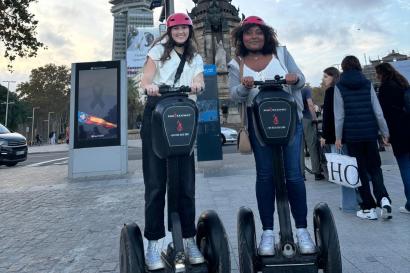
(152, 90)
(197, 87)
(248, 82)
(291, 79)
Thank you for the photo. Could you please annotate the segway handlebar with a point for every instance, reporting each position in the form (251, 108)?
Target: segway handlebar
(277, 81)
(170, 90)
(164, 89)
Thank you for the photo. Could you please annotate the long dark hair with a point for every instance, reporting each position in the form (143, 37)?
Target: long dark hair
(190, 46)
(334, 73)
(387, 72)
(269, 33)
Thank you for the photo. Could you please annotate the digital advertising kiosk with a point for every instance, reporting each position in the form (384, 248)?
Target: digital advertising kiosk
(98, 119)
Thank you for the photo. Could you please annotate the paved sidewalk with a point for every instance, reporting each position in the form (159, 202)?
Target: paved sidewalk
(51, 224)
(48, 148)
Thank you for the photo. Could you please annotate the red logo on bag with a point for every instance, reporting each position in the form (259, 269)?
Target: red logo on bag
(179, 126)
(275, 120)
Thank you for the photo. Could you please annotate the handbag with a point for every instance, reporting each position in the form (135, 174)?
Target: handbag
(342, 170)
(243, 142)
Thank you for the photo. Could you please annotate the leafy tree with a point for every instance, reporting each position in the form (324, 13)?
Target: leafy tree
(17, 112)
(18, 30)
(318, 94)
(49, 89)
(135, 106)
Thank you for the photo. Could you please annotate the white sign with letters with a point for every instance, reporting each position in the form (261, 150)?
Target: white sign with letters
(342, 169)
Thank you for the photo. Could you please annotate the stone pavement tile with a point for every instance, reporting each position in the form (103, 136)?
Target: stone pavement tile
(74, 226)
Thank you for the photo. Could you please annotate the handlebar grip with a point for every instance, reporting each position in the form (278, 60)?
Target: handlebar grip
(165, 89)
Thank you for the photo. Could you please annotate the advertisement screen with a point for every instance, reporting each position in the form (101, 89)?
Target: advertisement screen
(97, 106)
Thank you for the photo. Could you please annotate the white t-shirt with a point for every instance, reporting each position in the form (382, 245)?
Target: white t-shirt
(166, 71)
(271, 70)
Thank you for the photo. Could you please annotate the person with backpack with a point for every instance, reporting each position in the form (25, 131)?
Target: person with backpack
(392, 94)
(358, 119)
(173, 60)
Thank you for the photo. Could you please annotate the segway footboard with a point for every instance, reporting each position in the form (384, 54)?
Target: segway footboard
(281, 264)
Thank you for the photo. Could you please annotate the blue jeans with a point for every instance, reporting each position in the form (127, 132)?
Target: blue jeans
(265, 190)
(404, 165)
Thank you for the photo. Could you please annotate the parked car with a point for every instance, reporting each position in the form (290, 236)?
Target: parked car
(228, 135)
(13, 147)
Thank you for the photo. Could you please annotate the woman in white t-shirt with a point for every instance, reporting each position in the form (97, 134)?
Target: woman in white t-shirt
(261, 58)
(160, 69)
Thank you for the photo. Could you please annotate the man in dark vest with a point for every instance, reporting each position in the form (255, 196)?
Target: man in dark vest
(358, 119)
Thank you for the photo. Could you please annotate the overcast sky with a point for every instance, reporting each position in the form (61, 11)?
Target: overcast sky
(318, 33)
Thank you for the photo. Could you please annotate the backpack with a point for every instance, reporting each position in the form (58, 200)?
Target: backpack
(406, 107)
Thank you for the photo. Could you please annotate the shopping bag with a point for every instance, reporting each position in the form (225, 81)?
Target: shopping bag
(342, 170)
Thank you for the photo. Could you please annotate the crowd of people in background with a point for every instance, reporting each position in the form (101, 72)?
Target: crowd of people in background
(354, 117)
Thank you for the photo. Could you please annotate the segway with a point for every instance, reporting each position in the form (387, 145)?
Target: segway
(275, 113)
(174, 126)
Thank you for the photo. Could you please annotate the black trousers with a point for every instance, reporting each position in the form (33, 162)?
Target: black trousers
(368, 163)
(155, 180)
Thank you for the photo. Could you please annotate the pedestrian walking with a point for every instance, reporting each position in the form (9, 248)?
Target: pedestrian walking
(327, 141)
(358, 119)
(391, 95)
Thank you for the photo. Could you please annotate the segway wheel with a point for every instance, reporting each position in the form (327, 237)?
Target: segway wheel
(327, 239)
(246, 241)
(212, 240)
(131, 250)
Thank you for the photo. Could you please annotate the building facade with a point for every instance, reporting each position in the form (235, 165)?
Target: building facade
(128, 13)
(370, 72)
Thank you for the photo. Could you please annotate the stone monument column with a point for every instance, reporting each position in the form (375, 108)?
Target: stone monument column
(214, 21)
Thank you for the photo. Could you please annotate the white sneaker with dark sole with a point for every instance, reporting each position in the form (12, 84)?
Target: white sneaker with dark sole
(369, 214)
(386, 209)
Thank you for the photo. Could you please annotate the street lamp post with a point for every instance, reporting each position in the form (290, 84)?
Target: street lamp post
(32, 124)
(7, 101)
(48, 125)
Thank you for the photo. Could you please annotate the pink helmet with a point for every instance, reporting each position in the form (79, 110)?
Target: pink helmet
(252, 20)
(178, 19)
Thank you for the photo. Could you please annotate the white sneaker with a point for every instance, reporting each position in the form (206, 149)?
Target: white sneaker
(386, 208)
(305, 242)
(404, 210)
(367, 214)
(153, 256)
(194, 255)
(267, 243)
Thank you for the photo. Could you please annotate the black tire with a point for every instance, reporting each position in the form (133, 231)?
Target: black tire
(11, 164)
(246, 241)
(223, 139)
(327, 240)
(131, 250)
(212, 240)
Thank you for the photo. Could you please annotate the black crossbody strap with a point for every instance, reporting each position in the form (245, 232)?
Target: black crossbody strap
(180, 68)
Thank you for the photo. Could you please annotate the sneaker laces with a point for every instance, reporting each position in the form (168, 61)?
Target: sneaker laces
(192, 248)
(304, 236)
(267, 239)
(152, 249)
